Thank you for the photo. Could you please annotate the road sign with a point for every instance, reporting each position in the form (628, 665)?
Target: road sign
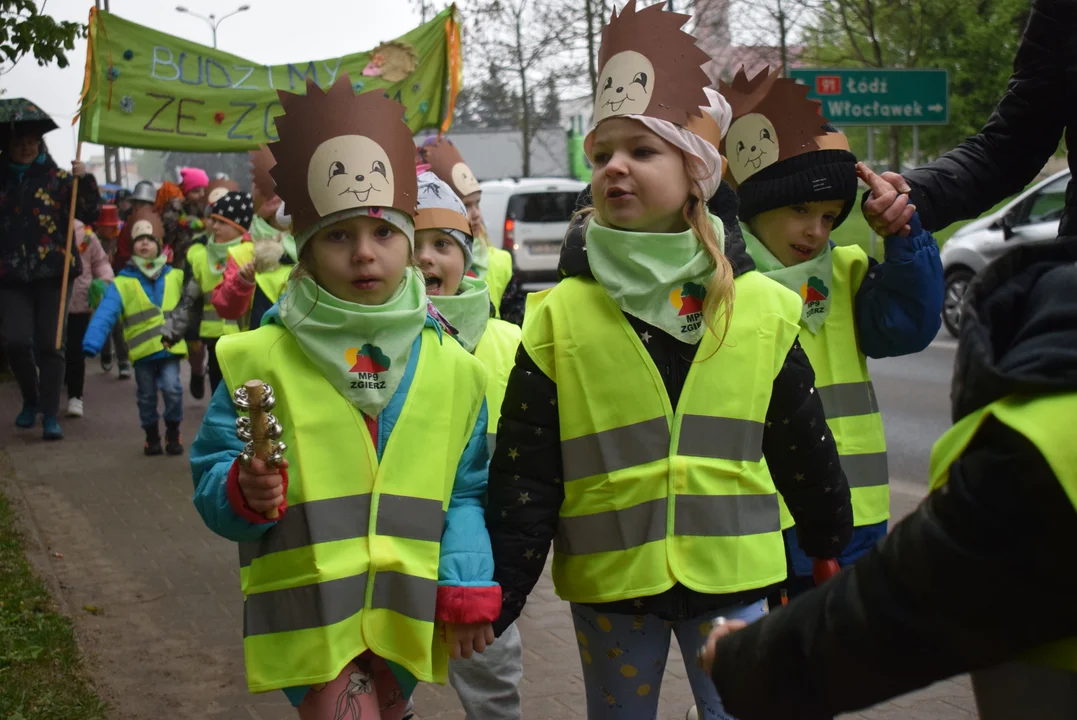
(872, 96)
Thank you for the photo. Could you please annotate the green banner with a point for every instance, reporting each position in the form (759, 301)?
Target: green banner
(146, 89)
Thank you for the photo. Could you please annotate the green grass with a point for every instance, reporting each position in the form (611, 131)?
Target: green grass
(41, 676)
(854, 231)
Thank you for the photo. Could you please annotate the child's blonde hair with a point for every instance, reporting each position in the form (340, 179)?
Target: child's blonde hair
(721, 291)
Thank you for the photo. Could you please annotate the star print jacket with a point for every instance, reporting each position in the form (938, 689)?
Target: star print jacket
(824, 519)
(33, 219)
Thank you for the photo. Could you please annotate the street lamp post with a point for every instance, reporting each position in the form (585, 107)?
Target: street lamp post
(213, 21)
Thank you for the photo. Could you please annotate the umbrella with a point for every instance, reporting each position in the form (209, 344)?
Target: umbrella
(24, 114)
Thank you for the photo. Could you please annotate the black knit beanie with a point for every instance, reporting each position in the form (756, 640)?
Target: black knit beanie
(812, 177)
(235, 207)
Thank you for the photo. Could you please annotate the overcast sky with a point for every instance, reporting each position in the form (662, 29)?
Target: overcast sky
(271, 32)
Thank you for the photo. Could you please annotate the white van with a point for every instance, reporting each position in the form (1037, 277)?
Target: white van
(529, 217)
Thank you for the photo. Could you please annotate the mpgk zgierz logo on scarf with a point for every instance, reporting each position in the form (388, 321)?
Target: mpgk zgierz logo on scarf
(368, 362)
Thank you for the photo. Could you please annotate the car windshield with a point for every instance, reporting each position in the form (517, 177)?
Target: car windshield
(542, 207)
(1049, 203)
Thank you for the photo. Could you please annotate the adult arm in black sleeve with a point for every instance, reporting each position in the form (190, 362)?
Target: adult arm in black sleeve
(936, 598)
(803, 460)
(525, 490)
(1022, 133)
(514, 300)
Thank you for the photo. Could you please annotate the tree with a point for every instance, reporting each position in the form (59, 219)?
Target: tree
(521, 40)
(550, 115)
(974, 41)
(26, 30)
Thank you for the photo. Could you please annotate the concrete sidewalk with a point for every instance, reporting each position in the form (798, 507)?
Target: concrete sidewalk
(155, 596)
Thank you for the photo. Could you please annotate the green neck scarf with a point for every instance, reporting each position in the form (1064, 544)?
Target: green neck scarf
(217, 253)
(361, 349)
(261, 229)
(468, 311)
(811, 280)
(150, 268)
(661, 278)
(480, 257)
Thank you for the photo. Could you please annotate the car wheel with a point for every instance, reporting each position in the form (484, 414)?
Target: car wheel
(957, 282)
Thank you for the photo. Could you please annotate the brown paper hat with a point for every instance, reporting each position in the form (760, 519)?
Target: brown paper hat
(649, 66)
(262, 185)
(145, 221)
(773, 120)
(219, 188)
(339, 151)
(447, 163)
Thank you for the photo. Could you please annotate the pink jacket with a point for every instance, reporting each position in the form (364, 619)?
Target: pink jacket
(232, 298)
(95, 264)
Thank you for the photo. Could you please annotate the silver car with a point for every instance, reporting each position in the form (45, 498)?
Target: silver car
(1032, 216)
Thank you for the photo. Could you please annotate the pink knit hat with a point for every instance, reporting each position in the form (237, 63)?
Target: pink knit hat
(193, 178)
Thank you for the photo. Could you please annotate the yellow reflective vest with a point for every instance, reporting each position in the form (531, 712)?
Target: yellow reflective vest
(213, 325)
(844, 385)
(144, 322)
(353, 563)
(270, 283)
(1047, 422)
(498, 276)
(497, 352)
(656, 495)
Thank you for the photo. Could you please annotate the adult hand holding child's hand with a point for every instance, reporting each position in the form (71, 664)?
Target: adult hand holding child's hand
(887, 210)
(262, 485)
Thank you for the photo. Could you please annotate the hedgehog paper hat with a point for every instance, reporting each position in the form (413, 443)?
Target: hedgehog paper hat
(649, 66)
(773, 120)
(341, 155)
(145, 222)
(262, 185)
(447, 163)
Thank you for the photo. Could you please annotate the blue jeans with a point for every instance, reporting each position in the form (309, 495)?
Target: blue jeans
(151, 375)
(624, 660)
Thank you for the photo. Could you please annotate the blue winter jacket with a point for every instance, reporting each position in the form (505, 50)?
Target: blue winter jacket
(466, 557)
(110, 311)
(899, 303)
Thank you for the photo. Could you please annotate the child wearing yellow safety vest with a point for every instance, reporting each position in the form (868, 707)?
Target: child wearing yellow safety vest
(494, 266)
(797, 182)
(144, 297)
(228, 225)
(487, 684)
(377, 567)
(659, 400)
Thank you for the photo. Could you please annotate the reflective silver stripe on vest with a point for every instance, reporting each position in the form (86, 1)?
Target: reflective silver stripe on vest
(210, 314)
(310, 523)
(300, 608)
(491, 443)
(613, 530)
(617, 449)
(725, 515)
(706, 515)
(867, 470)
(849, 399)
(412, 596)
(141, 316)
(411, 518)
(721, 438)
(146, 335)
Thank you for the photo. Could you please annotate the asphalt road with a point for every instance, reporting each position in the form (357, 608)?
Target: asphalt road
(914, 396)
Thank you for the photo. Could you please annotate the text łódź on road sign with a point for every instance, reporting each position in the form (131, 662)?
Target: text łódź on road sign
(870, 96)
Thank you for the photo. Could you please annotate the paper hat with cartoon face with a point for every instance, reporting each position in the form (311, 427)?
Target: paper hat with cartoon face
(145, 222)
(447, 163)
(218, 188)
(648, 66)
(341, 152)
(773, 120)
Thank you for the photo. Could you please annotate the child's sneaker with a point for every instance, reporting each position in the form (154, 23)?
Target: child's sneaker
(153, 440)
(51, 428)
(125, 371)
(173, 441)
(74, 407)
(27, 417)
